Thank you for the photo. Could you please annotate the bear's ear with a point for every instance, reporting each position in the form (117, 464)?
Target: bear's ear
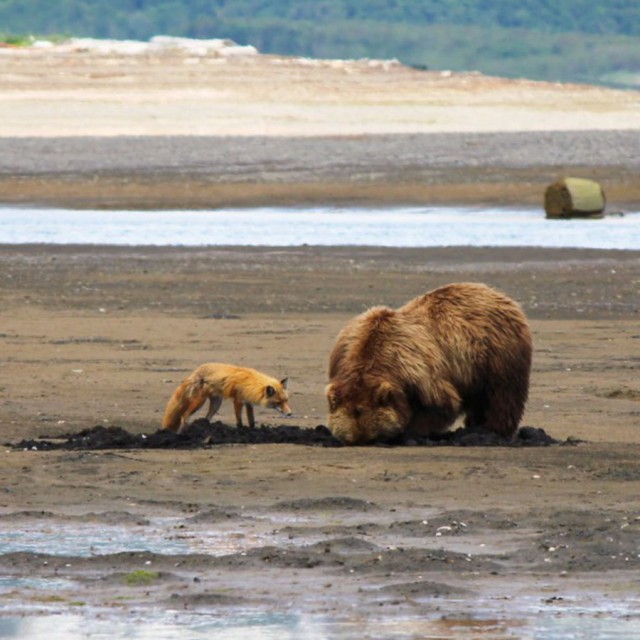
(332, 397)
(384, 394)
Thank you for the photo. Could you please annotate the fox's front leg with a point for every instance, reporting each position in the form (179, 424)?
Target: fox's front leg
(237, 407)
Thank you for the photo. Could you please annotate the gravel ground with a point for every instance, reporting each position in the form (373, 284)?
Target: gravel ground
(209, 172)
(330, 158)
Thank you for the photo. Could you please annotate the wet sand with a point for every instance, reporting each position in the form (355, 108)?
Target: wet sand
(101, 336)
(493, 541)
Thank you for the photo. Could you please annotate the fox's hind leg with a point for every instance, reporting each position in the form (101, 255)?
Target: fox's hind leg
(191, 409)
(214, 404)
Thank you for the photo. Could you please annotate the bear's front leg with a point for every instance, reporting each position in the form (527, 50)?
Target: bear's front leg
(428, 421)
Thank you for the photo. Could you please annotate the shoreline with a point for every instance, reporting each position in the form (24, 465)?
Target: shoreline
(139, 193)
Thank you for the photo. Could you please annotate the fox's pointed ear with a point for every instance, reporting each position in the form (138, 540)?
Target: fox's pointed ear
(284, 382)
(269, 391)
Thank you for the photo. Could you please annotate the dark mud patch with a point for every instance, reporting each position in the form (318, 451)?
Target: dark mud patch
(215, 515)
(206, 600)
(331, 503)
(424, 589)
(201, 434)
(404, 560)
(622, 394)
(470, 437)
(584, 540)
(345, 546)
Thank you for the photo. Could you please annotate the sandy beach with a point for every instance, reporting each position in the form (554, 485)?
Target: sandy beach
(381, 542)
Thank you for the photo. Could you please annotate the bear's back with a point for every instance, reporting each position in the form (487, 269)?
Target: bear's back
(380, 341)
(466, 303)
(470, 321)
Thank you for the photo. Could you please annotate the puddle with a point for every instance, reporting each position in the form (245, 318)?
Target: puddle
(69, 627)
(165, 536)
(84, 540)
(276, 596)
(17, 582)
(583, 627)
(270, 626)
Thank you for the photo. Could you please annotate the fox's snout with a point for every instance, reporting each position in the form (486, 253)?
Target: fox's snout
(282, 407)
(285, 409)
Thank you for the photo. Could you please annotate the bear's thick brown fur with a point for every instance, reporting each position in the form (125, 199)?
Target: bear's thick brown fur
(460, 349)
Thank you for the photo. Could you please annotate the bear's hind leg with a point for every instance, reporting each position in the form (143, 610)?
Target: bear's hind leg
(503, 410)
(474, 410)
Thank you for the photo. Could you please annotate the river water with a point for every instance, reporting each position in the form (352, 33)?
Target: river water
(392, 227)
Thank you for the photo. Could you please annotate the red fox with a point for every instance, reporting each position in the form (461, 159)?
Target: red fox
(214, 382)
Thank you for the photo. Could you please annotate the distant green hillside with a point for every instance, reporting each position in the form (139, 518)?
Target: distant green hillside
(566, 40)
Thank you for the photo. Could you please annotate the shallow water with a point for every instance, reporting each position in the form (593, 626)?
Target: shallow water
(553, 625)
(34, 607)
(95, 540)
(394, 227)
(528, 611)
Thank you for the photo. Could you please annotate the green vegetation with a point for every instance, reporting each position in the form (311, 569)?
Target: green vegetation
(140, 578)
(566, 40)
(16, 40)
(22, 40)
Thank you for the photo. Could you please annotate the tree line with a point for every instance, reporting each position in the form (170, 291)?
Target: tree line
(578, 40)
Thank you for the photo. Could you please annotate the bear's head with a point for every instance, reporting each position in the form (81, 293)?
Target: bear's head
(364, 411)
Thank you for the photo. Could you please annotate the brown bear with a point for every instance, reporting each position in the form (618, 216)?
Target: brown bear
(460, 349)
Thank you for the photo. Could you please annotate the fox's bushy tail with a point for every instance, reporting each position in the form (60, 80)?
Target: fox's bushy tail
(186, 399)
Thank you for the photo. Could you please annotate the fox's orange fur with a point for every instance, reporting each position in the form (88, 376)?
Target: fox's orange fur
(215, 381)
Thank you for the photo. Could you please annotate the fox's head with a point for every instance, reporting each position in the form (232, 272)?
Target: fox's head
(276, 396)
